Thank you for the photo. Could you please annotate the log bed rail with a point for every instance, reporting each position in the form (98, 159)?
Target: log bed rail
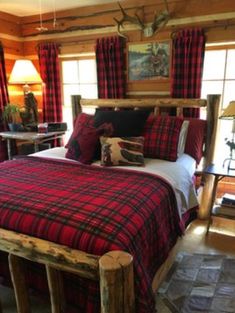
(113, 270)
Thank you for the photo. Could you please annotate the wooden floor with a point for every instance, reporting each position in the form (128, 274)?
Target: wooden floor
(220, 239)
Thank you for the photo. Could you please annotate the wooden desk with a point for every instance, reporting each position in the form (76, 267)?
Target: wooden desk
(217, 210)
(33, 137)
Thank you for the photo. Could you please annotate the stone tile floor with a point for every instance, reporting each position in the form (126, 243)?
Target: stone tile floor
(199, 283)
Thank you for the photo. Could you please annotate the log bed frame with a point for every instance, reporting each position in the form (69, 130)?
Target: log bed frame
(113, 270)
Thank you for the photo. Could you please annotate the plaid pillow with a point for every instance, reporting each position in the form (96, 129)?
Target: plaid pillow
(161, 136)
(83, 141)
(196, 138)
(122, 151)
(82, 120)
(82, 146)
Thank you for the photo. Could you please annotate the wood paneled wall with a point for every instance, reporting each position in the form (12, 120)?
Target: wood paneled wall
(78, 29)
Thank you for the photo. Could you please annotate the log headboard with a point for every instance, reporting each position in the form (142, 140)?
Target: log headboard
(211, 104)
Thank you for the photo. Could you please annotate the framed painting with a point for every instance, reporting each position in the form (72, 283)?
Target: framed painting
(149, 61)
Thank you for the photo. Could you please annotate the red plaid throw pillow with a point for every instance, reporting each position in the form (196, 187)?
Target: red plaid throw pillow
(83, 141)
(196, 138)
(161, 136)
(82, 120)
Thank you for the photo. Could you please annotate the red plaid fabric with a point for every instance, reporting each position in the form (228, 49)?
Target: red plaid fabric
(50, 73)
(187, 66)
(93, 209)
(161, 136)
(110, 60)
(83, 120)
(4, 99)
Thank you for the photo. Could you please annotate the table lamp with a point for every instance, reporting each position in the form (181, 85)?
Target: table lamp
(24, 72)
(229, 114)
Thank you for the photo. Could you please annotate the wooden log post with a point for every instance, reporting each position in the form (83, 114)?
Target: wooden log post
(56, 289)
(76, 107)
(156, 111)
(179, 111)
(117, 282)
(19, 284)
(213, 108)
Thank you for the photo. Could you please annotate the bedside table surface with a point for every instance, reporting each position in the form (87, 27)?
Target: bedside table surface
(219, 171)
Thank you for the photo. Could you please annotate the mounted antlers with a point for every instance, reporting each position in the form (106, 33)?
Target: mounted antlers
(127, 18)
(160, 21)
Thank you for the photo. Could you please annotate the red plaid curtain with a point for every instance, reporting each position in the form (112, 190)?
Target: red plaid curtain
(4, 99)
(187, 66)
(50, 73)
(110, 61)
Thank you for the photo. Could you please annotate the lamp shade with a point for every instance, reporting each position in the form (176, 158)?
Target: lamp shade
(24, 72)
(229, 112)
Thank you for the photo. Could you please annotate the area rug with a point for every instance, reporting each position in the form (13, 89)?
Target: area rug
(198, 283)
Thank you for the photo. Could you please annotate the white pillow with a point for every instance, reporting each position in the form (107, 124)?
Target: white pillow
(182, 138)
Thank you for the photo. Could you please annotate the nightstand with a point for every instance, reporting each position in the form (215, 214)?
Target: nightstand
(216, 207)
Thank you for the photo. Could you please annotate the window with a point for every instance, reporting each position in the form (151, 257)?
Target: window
(219, 78)
(78, 78)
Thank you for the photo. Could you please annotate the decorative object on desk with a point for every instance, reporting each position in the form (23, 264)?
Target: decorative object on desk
(11, 115)
(29, 115)
(53, 127)
(229, 114)
(43, 128)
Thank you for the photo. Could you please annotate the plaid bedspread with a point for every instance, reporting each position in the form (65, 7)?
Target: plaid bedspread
(93, 209)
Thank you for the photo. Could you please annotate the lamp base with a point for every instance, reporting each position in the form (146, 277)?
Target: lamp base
(230, 162)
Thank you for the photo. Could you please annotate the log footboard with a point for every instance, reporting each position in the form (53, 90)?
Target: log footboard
(113, 270)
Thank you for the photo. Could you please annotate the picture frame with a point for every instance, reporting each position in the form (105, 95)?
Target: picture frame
(149, 60)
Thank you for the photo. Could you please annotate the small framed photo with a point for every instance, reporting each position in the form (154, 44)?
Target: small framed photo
(149, 60)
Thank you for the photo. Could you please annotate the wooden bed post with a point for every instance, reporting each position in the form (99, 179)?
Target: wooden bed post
(117, 282)
(213, 107)
(19, 284)
(76, 106)
(56, 288)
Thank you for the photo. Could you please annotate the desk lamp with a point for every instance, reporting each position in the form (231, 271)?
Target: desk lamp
(229, 114)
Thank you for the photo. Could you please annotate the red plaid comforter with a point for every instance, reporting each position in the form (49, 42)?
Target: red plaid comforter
(93, 209)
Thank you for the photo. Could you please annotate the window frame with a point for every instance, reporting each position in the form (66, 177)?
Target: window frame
(84, 56)
(226, 47)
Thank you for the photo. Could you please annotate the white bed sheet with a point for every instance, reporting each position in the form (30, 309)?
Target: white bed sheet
(179, 174)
